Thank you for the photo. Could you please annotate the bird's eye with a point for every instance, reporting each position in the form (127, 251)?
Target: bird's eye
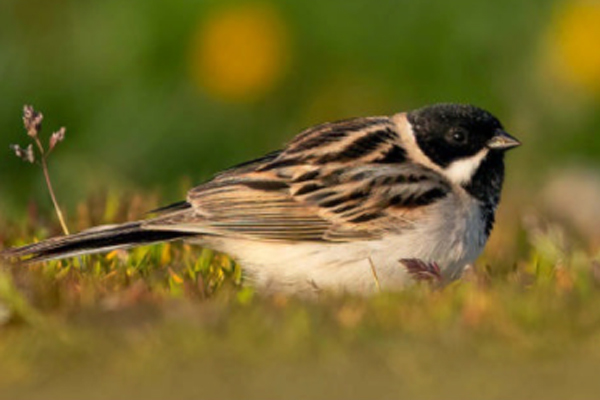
(458, 136)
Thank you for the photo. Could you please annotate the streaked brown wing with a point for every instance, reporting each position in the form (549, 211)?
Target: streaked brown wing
(257, 207)
(337, 182)
(383, 197)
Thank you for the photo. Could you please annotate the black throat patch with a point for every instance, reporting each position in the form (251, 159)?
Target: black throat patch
(486, 186)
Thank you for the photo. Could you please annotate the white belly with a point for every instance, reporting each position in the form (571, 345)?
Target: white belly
(453, 241)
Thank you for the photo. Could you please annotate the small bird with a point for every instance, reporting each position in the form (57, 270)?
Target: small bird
(340, 207)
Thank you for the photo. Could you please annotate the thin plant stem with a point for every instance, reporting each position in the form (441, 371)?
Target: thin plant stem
(375, 277)
(50, 188)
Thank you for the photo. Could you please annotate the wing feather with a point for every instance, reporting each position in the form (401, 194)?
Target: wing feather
(338, 182)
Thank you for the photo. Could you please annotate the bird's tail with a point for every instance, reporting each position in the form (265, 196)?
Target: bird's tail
(97, 240)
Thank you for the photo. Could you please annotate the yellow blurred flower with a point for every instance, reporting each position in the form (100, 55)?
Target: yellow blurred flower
(240, 52)
(575, 43)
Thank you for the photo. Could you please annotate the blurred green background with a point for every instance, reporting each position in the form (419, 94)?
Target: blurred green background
(152, 91)
(157, 96)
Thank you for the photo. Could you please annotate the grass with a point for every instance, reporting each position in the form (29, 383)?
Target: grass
(175, 321)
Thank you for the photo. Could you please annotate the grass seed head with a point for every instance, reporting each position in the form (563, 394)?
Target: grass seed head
(57, 137)
(32, 120)
(25, 154)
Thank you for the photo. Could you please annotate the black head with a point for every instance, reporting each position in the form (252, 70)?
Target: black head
(449, 132)
(468, 143)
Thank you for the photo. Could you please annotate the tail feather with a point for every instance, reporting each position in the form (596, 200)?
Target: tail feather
(96, 240)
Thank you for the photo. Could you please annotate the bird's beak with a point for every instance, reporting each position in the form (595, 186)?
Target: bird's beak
(502, 141)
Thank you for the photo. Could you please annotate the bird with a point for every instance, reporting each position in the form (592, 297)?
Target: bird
(345, 206)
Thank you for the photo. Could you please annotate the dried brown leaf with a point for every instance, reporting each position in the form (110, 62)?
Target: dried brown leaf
(420, 270)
